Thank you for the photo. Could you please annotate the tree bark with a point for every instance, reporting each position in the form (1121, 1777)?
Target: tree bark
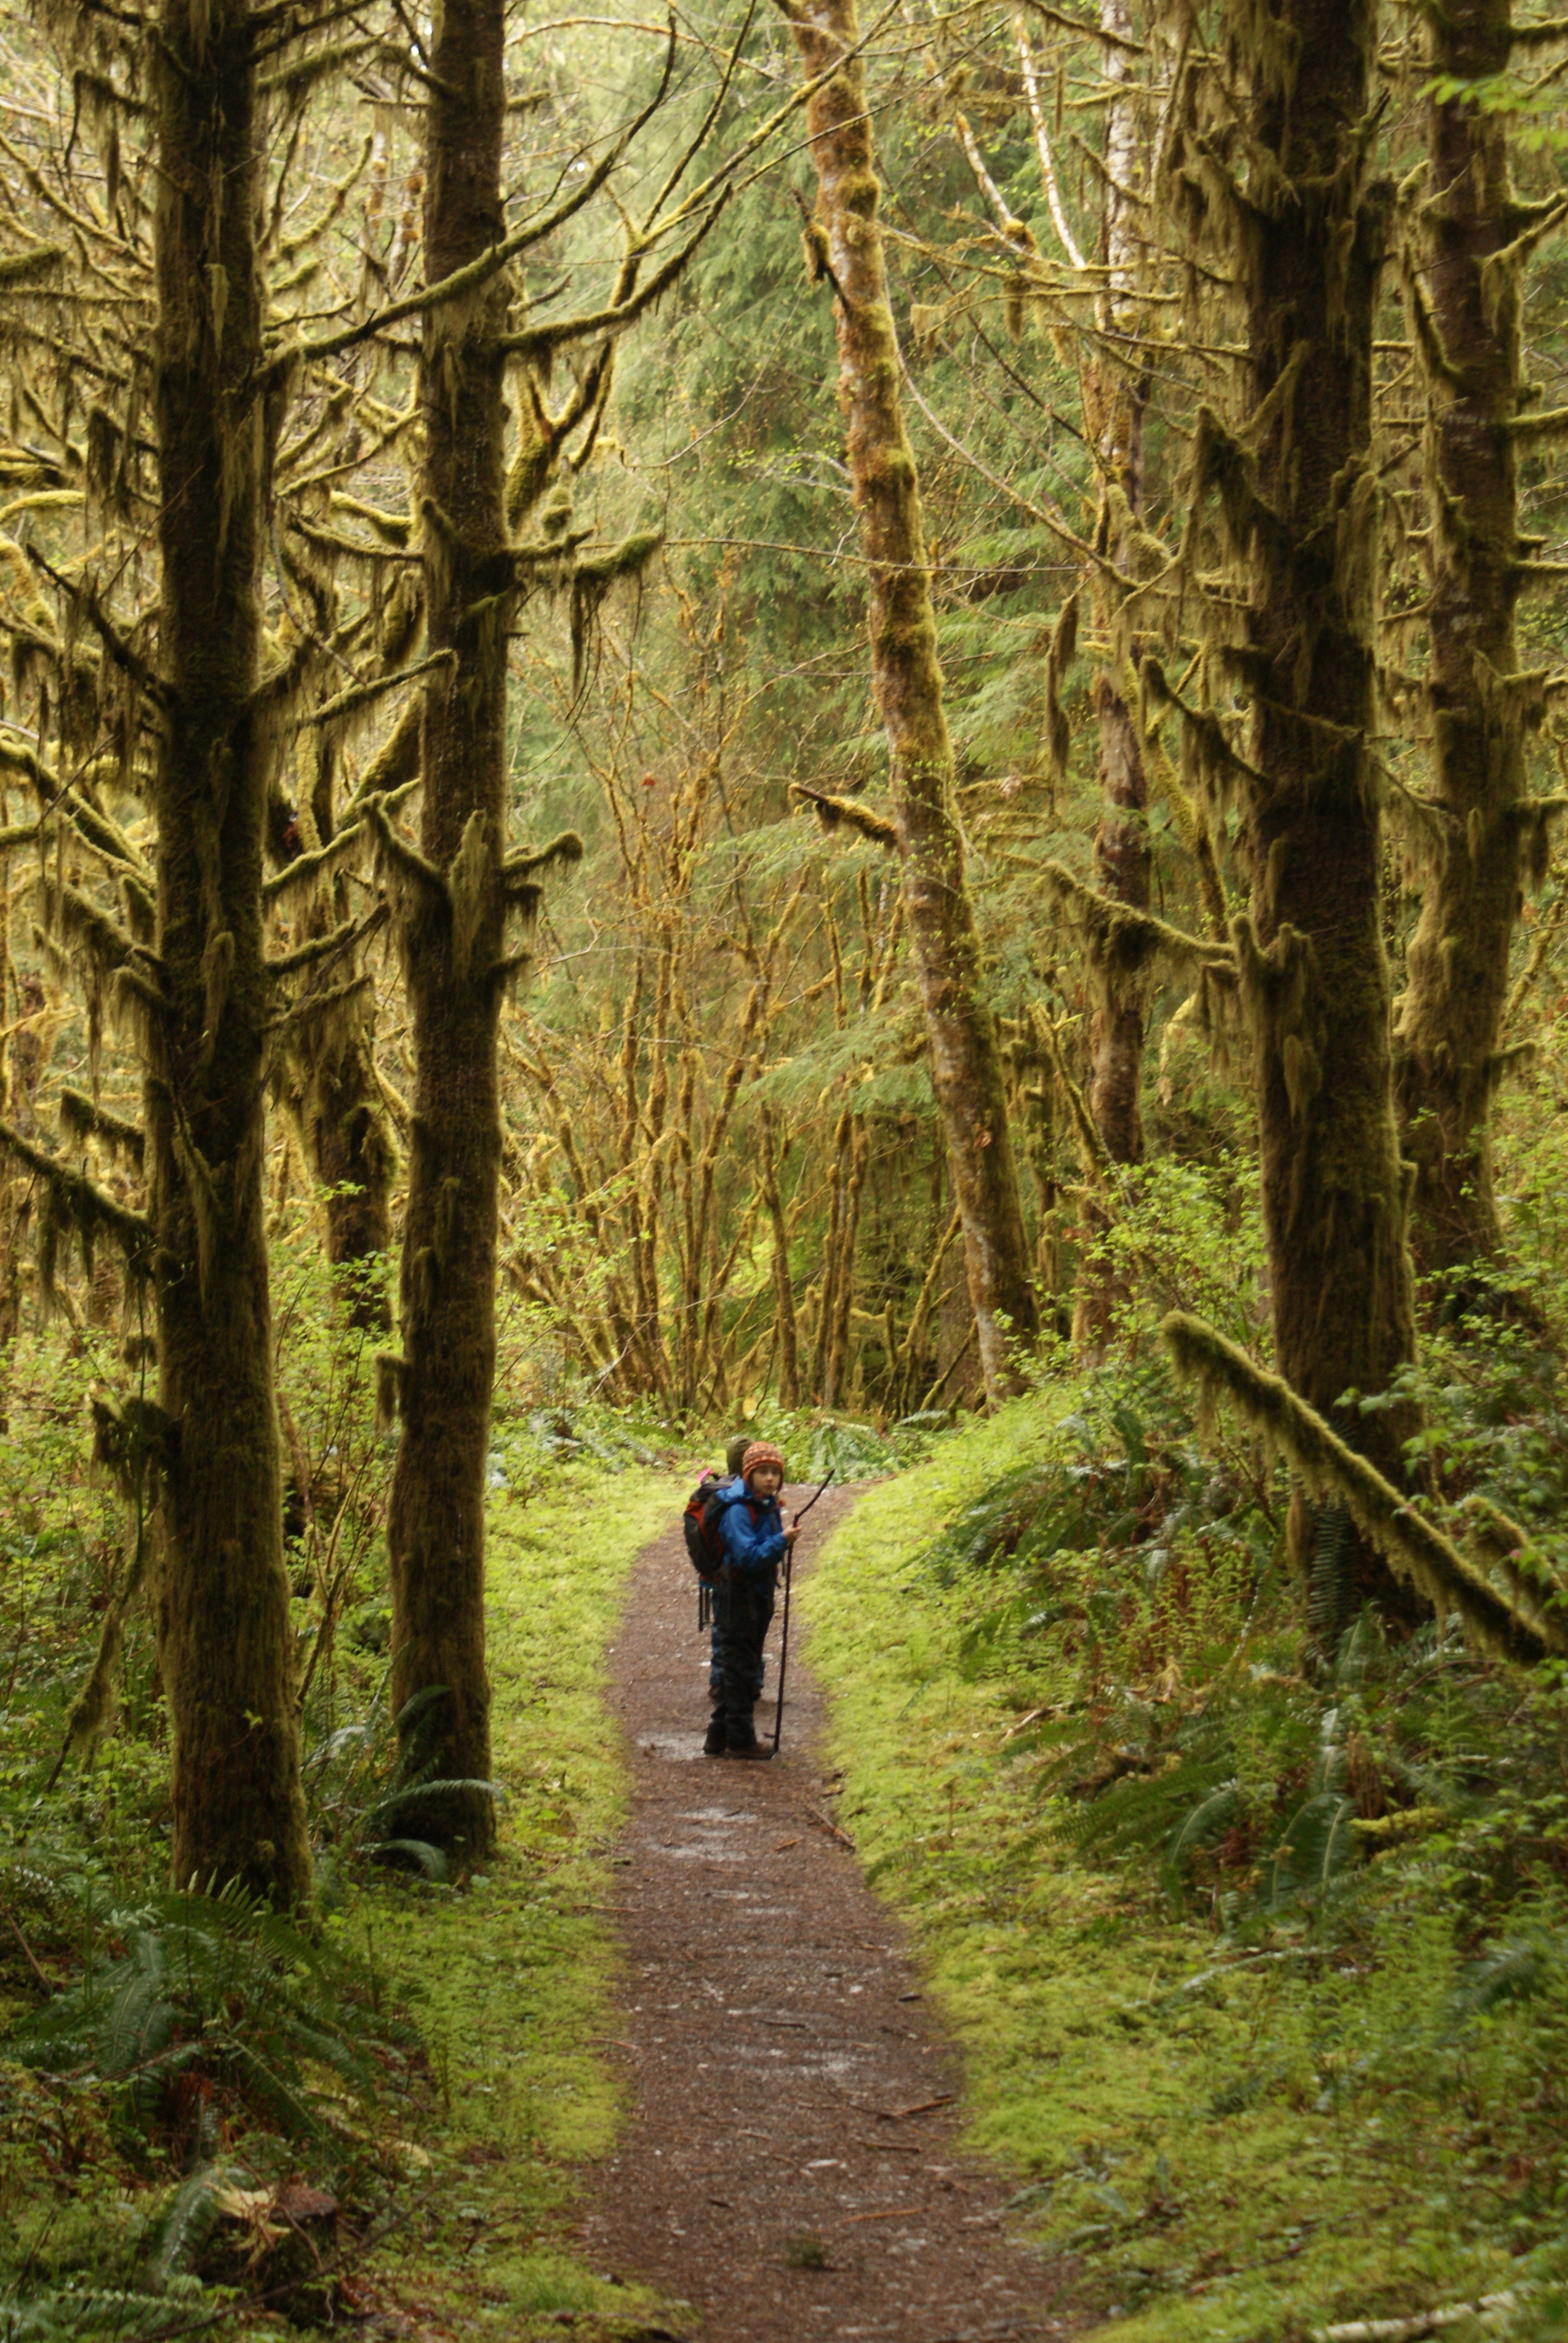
(965, 1059)
(332, 1095)
(451, 916)
(1303, 511)
(786, 1335)
(1451, 1020)
(223, 1637)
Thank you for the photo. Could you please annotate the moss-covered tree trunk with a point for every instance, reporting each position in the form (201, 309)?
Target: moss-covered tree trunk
(353, 1159)
(224, 1635)
(1115, 397)
(965, 1059)
(330, 1089)
(451, 915)
(1300, 494)
(1451, 1020)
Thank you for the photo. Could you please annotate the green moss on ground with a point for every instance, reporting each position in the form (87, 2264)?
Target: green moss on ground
(1219, 2137)
(510, 1981)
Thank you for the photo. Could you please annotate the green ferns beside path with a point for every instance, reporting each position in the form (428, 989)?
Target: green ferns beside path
(1239, 2102)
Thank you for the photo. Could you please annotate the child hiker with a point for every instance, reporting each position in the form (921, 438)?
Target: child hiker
(755, 1541)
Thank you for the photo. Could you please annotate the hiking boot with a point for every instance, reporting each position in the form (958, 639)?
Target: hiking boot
(716, 1740)
(758, 1749)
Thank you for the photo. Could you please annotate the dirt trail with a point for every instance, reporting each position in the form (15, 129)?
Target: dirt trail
(789, 2088)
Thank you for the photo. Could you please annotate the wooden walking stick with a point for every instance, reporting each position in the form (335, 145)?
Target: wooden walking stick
(784, 1638)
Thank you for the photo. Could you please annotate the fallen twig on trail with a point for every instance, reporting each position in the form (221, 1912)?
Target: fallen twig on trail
(843, 1837)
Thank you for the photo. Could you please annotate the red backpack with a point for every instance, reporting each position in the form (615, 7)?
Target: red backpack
(700, 1524)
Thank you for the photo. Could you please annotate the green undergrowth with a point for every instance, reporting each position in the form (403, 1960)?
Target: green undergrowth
(508, 1981)
(423, 2057)
(1257, 1967)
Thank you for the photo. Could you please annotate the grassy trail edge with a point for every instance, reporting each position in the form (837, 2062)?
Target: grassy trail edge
(512, 1981)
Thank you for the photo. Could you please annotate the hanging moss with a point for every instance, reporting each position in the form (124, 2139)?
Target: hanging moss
(82, 1119)
(592, 577)
(76, 1212)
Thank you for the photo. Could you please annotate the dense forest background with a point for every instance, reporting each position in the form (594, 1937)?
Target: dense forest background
(763, 722)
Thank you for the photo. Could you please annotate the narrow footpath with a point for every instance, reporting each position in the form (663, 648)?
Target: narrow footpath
(791, 2168)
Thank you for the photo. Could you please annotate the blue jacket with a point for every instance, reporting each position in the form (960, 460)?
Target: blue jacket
(751, 1529)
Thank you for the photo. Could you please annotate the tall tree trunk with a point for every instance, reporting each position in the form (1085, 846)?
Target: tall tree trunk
(786, 1335)
(335, 1101)
(353, 1159)
(965, 1058)
(1301, 501)
(1451, 1020)
(224, 1643)
(1115, 397)
(452, 915)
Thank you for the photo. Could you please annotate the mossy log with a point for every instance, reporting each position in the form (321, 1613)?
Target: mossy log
(1520, 1624)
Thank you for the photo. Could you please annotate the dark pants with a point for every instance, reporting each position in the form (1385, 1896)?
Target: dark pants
(742, 1607)
(716, 1668)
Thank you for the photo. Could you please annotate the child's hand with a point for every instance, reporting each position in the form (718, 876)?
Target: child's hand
(792, 1533)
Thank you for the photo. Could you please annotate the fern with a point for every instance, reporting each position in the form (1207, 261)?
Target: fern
(1144, 1813)
(1516, 1970)
(72, 2311)
(417, 1851)
(1318, 1845)
(1330, 1576)
(192, 2218)
(217, 1984)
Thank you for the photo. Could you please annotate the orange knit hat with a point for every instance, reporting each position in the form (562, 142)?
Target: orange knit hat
(761, 1452)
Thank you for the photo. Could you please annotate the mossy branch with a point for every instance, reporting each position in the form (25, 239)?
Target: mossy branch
(90, 1714)
(86, 926)
(1415, 1550)
(1097, 1157)
(360, 695)
(321, 948)
(79, 1205)
(592, 579)
(830, 811)
(543, 341)
(1548, 425)
(1204, 731)
(405, 860)
(1505, 1547)
(1059, 659)
(325, 1003)
(394, 772)
(82, 1117)
(29, 267)
(394, 528)
(1130, 938)
(275, 891)
(519, 870)
(123, 653)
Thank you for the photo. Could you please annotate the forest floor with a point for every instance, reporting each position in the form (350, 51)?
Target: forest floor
(791, 2168)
